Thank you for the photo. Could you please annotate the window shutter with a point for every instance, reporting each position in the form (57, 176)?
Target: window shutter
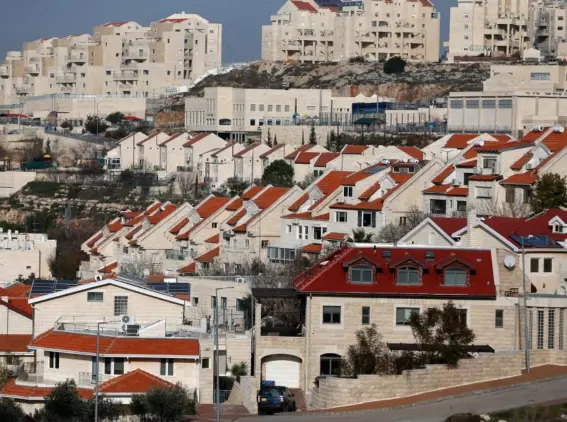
(359, 218)
(373, 219)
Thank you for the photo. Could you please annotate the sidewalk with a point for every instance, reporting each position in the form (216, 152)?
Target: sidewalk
(537, 374)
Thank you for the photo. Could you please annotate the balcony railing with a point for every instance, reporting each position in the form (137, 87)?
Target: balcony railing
(135, 55)
(4, 73)
(66, 79)
(177, 255)
(31, 69)
(76, 58)
(88, 378)
(126, 75)
(31, 372)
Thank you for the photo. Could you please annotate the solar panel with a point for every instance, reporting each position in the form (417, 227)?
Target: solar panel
(44, 287)
(540, 241)
(160, 287)
(374, 170)
(172, 288)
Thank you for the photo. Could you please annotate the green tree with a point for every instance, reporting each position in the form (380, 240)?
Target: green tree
(550, 191)
(115, 118)
(11, 411)
(369, 355)
(312, 135)
(278, 173)
(360, 236)
(275, 140)
(302, 138)
(66, 125)
(239, 369)
(269, 139)
(95, 125)
(63, 403)
(164, 404)
(394, 65)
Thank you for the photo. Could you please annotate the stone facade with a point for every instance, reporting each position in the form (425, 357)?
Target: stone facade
(243, 393)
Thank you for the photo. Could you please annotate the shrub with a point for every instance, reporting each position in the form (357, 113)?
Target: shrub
(164, 403)
(10, 411)
(357, 59)
(395, 65)
(464, 417)
(239, 369)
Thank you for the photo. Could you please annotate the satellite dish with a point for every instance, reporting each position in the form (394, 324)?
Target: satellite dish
(509, 262)
(480, 143)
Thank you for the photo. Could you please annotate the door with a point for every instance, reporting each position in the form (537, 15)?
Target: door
(283, 370)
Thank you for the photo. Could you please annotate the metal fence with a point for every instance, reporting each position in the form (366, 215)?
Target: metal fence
(223, 396)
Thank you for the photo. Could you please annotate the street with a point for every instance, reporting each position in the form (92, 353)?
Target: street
(542, 392)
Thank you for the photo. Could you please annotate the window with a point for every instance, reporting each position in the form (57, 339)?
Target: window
(361, 274)
(438, 206)
(330, 364)
(54, 360)
(195, 301)
(347, 191)
(408, 276)
(288, 228)
(270, 107)
(462, 316)
(540, 76)
(120, 305)
(499, 318)
(403, 315)
(455, 277)
(403, 221)
(483, 192)
(547, 265)
(94, 297)
(286, 108)
(331, 314)
(534, 265)
(261, 107)
(252, 122)
(246, 243)
(239, 304)
(340, 216)
(214, 225)
(540, 328)
(166, 367)
(252, 107)
(510, 195)
(557, 228)
(108, 366)
(462, 206)
(118, 366)
(265, 244)
(366, 218)
(213, 302)
(489, 163)
(224, 302)
(473, 104)
(489, 104)
(551, 328)
(456, 104)
(530, 328)
(527, 196)
(365, 315)
(318, 232)
(205, 363)
(505, 103)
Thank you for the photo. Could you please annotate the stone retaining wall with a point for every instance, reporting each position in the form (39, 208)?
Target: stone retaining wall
(338, 392)
(243, 393)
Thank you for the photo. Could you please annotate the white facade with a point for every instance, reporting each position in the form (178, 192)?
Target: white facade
(23, 254)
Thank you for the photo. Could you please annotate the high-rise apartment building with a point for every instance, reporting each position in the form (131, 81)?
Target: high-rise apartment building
(123, 58)
(334, 30)
(548, 27)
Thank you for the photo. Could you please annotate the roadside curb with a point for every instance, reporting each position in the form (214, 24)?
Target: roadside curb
(414, 404)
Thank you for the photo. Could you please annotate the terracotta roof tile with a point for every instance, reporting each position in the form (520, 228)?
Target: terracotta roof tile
(305, 157)
(296, 152)
(135, 382)
(412, 152)
(152, 208)
(436, 189)
(520, 179)
(91, 242)
(297, 204)
(213, 239)
(334, 236)
(150, 136)
(34, 392)
(308, 216)
(251, 192)
(172, 138)
(467, 164)
(315, 248)
(162, 214)
(188, 269)
(13, 343)
(175, 229)
(332, 180)
(367, 194)
(269, 196)
(400, 177)
(227, 146)
(447, 171)
(185, 235)
(211, 205)
(460, 140)
(115, 225)
(209, 256)
(523, 160)
(485, 177)
(235, 204)
(354, 149)
(450, 225)
(325, 158)
(16, 289)
(132, 232)
(271, 151)
(354, 178)
(247, 149)
(504, 146)
(305, 6)
(533, 135)
(236, 217)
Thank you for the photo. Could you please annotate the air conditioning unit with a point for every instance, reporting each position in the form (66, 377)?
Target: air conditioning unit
(132, 330)
(558, 129)
(386, 162)
(537, 128)
(127, 319)
(229, 232)
(456, 182)
(477, 170)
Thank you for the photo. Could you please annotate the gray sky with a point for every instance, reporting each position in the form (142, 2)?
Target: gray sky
(22, 21)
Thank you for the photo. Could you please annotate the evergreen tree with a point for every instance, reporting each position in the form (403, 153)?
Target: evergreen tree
(550, 192)
(312, 136)
(275, 140)
(269, 139)
(302, 138)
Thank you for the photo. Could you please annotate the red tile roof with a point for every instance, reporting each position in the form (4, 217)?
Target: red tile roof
(308, 216)
(209, 257)
(412, 152)
(175, 229)
(179, 20)
(135, 382)
(332, 180)
(450, 225)
(297, 204)
(470, 153)
(555, 141)
(162, 214)
(305, 157)
(269, 196)
(271, 151)
(115, 225)
(18, 305)
(247, 149)
(16, 290)
(400, 177)
(303, 5)
(213, 239)
(312, 248)
(34, 392)
(188, 269)
(485, 177)
(533, 135)
(460, 140)
(211, 205)
(523, 160)
(325, 158)
(14, 343)
(186, 233)
(458, 191)
(520, 179)
(115, 24)
(109, 268)
(236, 217)
(153, 208)
(227, 146)
(354, 149)
(367, 194)
(91, 242)
(296, 152)
(251, 192)
(116, 346)
(334, 236)
(132, 232)
(331, 278)
(538, 225)
(234, 205)
(354, 178)
(150, 136)
(437, 189)
(504, 146)
(195, 139)
(467, 164)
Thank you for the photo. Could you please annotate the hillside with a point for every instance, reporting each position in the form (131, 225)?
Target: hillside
(420, 83)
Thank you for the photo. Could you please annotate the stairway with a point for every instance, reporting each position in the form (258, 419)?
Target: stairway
(299, 399)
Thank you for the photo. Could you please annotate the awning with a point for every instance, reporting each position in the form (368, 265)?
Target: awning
(412, 347)
(131, 118)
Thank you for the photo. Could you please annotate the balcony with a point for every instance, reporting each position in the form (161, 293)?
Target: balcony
(126, 75)
(66, 79)
(67, 89)
(4, 72)
(135, 55)
(32, 69)
(178, 255)
(88, 378)
(76, 58)
(23, 89)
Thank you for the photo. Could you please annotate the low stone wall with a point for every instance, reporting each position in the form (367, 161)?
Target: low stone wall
(337, 392)
(243, 393)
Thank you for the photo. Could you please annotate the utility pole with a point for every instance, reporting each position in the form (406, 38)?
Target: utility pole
(526, 331)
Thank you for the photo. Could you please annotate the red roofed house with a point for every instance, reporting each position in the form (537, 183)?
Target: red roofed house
(248, 162)
(15, 324)
(278, 152)
(221, 163)
(194, 149)
(171, 152)
(125, 154)
(149, 150)
(358, 286)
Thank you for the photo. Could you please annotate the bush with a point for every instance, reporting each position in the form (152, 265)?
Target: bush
(357, 59)
(464, 417)
(239, 369)
(164, 403)
(395, 65)
(10, 411)
(67, 125)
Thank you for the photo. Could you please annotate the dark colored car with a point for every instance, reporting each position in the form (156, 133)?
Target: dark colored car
(273, 399)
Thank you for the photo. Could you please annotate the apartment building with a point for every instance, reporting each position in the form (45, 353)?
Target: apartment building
(364, 284)
(25, 255)
(314, 31)
(547, 27)
(119, 58)
(491, 28)
(239, 114)
(514, 99)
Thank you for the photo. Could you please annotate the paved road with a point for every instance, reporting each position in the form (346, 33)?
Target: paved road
(542, 392)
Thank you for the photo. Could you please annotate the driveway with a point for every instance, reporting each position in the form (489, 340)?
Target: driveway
(487, 402)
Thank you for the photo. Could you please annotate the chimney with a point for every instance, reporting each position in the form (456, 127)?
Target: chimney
(472, 219)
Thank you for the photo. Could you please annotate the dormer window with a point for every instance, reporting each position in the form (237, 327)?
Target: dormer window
(455, 277)
(347, 191)
(361, 274)
(408, 276)
(557, 228)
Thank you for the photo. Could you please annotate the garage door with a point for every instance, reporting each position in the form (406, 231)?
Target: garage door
(283, 369)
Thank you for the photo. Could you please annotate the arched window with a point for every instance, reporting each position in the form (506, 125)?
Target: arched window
(330, 364)
(361, 274)
(408, 276)
(455, 276)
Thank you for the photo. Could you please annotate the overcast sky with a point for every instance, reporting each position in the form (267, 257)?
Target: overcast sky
(22, 21)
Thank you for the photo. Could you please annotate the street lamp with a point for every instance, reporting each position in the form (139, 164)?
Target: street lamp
(96, 112)
(526, 332)
(217, 360)
(97, 367)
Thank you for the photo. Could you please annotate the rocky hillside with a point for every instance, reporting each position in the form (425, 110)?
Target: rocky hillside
(420, 82)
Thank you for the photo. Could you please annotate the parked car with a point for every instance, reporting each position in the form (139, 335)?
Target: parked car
(273, 399)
